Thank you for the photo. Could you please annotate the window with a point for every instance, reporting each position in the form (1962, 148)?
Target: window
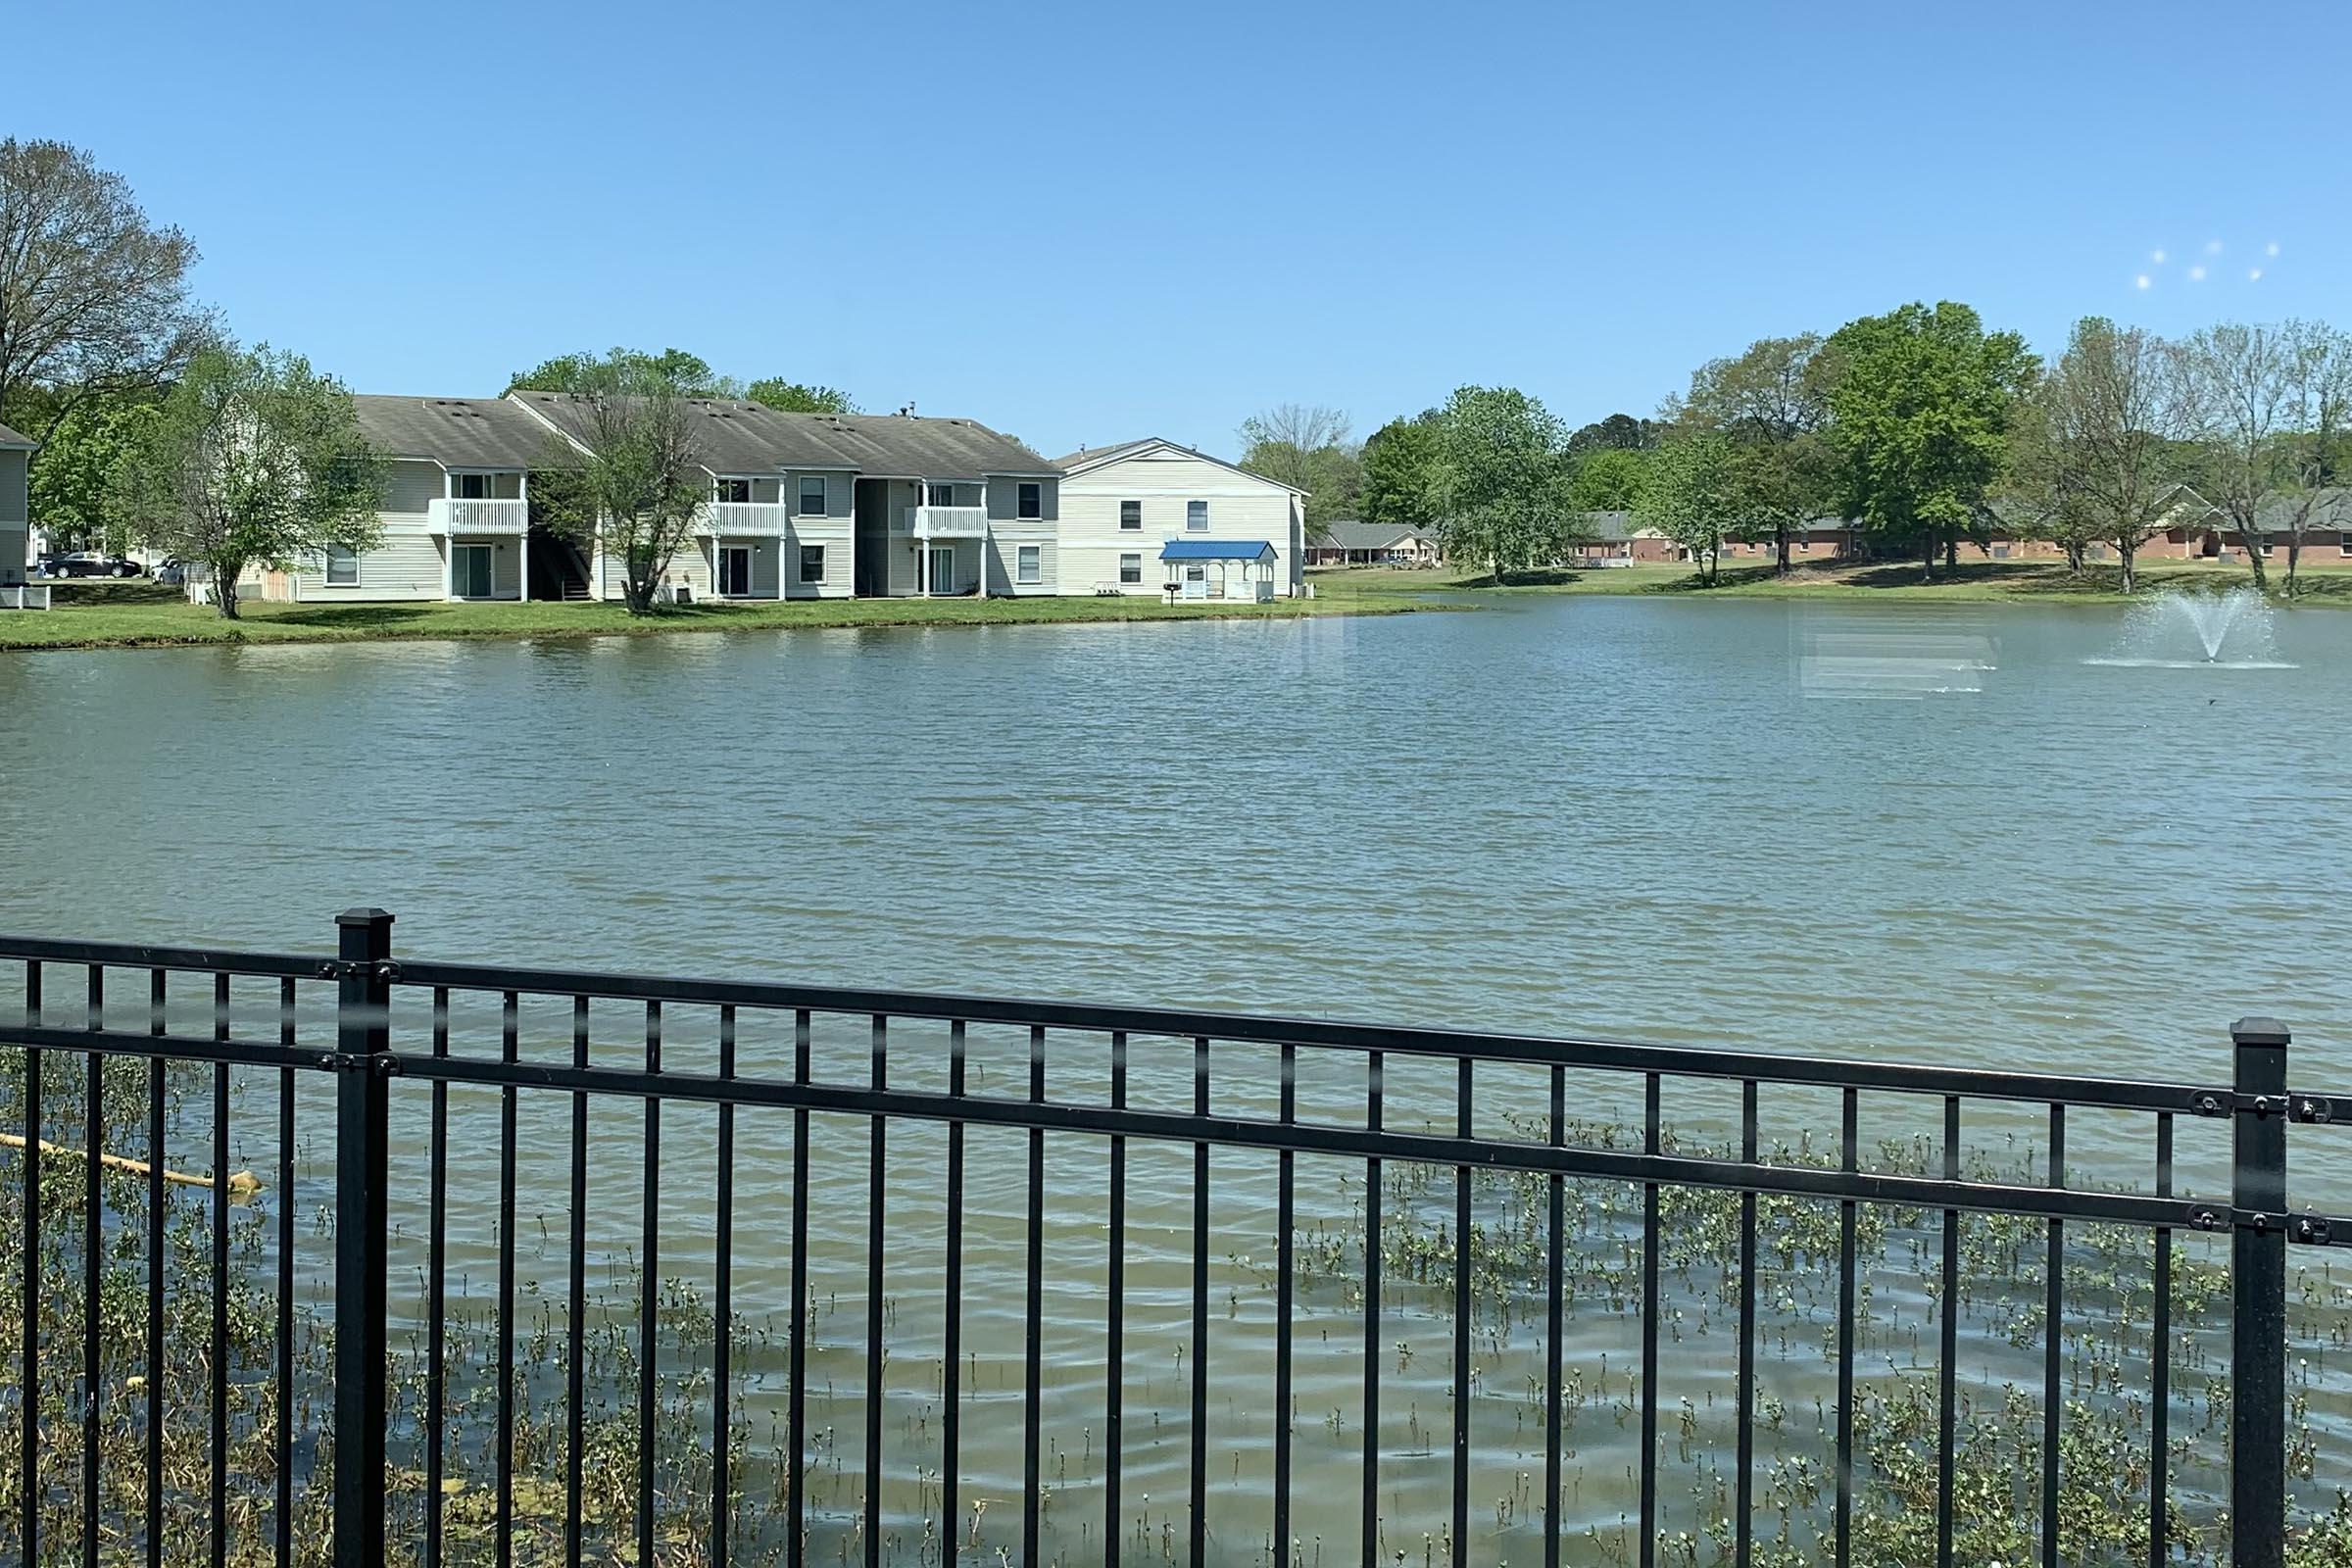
(813, 562)
(2343, 544)
(342, 568)
(1131, 569)
(1195, 517)
(1028, 565)
(470, 572)
(2000, 552)
(470, 486)
(938, 495)
(736, 491)
(813, 494)
(1030, 500)
(1131, 516)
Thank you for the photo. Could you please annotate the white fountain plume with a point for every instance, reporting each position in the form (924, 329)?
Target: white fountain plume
(2174, 629)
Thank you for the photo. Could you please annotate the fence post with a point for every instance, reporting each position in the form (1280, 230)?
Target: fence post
(363, 1095)
(2258, 1288)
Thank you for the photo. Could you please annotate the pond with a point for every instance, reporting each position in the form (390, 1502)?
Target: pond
(2002, 836)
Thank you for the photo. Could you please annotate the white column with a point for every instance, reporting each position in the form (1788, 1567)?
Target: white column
(449, 566)
(523, 544)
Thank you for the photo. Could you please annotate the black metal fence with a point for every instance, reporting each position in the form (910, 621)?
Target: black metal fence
(368, 1068)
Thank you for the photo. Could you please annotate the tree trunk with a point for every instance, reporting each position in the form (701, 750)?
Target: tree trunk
(2125, 551)
(1780, 548)
(1926, 553)
(224, 586)
(638, 594)
(2294, 559)
(2251, 538)
(1951, 554)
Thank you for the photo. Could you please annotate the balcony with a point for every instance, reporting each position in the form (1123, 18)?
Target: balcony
(448, 514)
(768, 520)
(944, 523)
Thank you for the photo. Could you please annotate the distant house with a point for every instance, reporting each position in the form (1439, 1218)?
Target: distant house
(1372, 544)
(1613, 538)
(1122, 505)
(16, 510)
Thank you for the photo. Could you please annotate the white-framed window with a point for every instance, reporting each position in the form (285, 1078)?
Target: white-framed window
(813, 494)
(1029, 499)
(735, 490)
(1195, 517)
(813, 562)
(1026, 564)
(936, 494)
(342, 568)
(470, 572)
(470, 486)
(2343, 543)
(1131, 569)
(1131, 516)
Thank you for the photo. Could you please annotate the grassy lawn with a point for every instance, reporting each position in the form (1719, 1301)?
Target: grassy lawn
(1979, 582)
(136, 614)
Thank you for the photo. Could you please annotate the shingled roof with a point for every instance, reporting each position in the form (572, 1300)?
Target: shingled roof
(11, 440)
(739, 437)
(454, 432)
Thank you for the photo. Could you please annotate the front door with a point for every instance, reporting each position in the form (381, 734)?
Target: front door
(735, 570)
(943, 568)
(470, 575)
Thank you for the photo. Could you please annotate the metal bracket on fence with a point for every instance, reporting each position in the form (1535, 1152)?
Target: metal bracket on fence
(383, 1063)
(2312, 1228)
(337, 969)
(2315, 1110)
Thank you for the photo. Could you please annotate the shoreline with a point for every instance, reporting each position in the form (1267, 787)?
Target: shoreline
(142, 615)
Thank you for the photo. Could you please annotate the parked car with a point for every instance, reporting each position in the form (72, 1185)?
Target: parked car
(172, 572)
(92, 563)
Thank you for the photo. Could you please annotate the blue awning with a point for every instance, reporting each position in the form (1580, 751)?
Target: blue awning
(1216, 549)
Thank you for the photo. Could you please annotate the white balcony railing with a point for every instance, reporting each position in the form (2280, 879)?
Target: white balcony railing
(945, 523)
(449, 515)
(767, 518)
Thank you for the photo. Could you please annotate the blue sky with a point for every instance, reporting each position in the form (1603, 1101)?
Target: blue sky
(1086, 223)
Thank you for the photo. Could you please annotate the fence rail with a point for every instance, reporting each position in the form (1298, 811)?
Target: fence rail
(374, 1057)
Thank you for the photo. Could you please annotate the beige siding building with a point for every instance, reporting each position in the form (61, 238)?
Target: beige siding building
(15, 509)
(1122, 505)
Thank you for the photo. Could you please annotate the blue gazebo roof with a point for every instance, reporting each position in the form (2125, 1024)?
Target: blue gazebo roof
(1216, 549)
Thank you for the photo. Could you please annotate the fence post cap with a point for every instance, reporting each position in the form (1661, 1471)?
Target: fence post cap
(2259, 1031)
(365, 917)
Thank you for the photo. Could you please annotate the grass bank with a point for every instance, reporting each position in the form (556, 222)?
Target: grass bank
(146, 615)
(1976, 582)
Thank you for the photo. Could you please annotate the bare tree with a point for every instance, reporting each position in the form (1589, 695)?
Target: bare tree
(632, 478)
(93, 297)
(2238, 391)
(1296, 424)
(2307, 459)
(2112, 413)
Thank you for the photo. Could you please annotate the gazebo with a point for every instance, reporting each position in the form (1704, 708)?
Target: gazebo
(1188, 562)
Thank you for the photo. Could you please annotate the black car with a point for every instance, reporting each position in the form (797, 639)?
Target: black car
(90, 563)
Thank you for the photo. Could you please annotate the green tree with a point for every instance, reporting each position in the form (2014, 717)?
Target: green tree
(252, 457)
(688, 374)
(74, 471)
(637, 489)
(93, 297)
(1307, 449)
(1609, 479)
(1692, 496)
(1771, 401)
(794, 397)
(1619, 432)
(1921, 404)
(1499, 484)
(1398, 466)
